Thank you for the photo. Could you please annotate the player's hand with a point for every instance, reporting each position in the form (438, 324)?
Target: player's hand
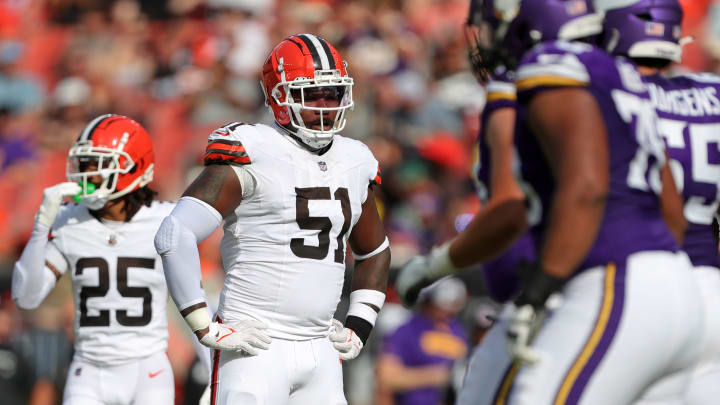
(345, 341)
(523, 325)
(205, 398)
(411, 279)
(421, 271)
(52, 199)
(247, 337)
(531, 307)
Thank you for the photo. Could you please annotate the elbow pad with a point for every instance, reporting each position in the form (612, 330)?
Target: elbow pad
(190, 218)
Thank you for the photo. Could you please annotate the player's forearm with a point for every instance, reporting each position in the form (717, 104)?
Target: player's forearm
(370, 280)
(372, 273)
(176, 242)
(31, 282)
(181, 264)
(203, 352)
(575, 219)
(490, 233)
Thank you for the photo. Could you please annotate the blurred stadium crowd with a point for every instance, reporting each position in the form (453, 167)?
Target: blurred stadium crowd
(185, 67)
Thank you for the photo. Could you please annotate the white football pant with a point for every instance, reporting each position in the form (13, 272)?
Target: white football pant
(147, 381)
(305, 372)
(488, 363)
(704, 385)
(619, 329)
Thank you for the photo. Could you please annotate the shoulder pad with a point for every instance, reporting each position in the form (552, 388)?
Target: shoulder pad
(225, 145)
(554, 64)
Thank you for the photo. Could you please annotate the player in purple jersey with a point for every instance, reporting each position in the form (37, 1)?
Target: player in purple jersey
(587, 138)
(502, 219)
(649, 32)
(495, 171)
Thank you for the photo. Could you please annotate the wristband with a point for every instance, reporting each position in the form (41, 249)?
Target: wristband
(368, 297)
(362, 303)
(198, 317)
(439, 264)
(361, 327)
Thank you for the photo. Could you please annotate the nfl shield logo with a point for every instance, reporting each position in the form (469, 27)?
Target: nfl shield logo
(323, 166)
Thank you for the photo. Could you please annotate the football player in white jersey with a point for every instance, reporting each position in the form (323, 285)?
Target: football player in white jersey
(291, 194)
(106, 244)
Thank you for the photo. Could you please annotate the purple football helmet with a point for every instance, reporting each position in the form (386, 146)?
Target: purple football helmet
(500, 31)
(646, 29)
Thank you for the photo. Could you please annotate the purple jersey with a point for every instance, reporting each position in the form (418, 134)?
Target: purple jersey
(689, 111)
(421, 342)
(500, 274)
(632, 220)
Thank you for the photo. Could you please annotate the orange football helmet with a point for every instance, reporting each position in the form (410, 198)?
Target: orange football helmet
(298, 63)
(116, 148)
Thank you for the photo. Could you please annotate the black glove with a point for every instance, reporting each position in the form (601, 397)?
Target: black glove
(530, 311)
(537, 285)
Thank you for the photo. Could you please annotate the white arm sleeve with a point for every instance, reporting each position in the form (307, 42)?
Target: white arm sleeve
(191, 222)
(31, 281)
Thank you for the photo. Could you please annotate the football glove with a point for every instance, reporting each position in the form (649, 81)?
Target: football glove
(205, 398)
(247, 337)
(523, 325)
(52, 199)
(345, 341)
(421, 271)
(530, 311)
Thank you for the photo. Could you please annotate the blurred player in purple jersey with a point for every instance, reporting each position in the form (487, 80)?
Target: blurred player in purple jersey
(502, 219)
(587, 138)
(497, 235)
(649, 32)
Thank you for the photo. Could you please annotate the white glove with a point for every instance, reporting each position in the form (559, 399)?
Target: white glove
(52, 199)
(245, 336)
(524, 323)
(205, 398)
(345, 341)
(421, 271)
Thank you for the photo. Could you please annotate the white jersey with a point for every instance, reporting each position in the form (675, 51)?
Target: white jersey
(284, 246)
(118, 282)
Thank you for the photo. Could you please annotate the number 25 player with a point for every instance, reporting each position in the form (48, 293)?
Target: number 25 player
(291, 194)
(118, 284)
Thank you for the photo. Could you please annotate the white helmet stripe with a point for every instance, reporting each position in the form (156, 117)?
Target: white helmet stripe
(85, 135)
(324, 56)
